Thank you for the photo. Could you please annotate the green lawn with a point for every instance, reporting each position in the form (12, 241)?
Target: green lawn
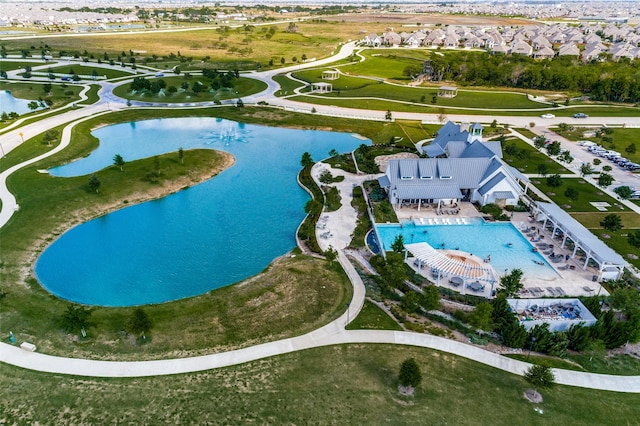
(86, 69)
(618, 240)
(387, 63)
(415, 131)
(18, 65)
(371, 317)
(526, 133)
(242, 87)
(345, 384)
(287, 86)
(587, 193)
(527, 158)
(60, 93)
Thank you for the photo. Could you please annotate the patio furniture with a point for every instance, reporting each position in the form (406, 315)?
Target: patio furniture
(456, 281)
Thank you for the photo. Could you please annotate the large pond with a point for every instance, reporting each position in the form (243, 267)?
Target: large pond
(214, 234)
(9, 103)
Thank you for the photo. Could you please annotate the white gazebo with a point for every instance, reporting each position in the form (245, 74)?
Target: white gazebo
(321, 87)
(330, 75)
(447, 91)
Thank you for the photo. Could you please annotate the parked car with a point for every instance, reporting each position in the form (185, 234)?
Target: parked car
(580, 115)
(587, 144)
(548, 116)
(632, 166)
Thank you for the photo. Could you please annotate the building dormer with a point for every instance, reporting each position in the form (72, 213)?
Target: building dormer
(475, 133)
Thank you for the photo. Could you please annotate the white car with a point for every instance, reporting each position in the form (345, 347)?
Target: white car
(548, 116)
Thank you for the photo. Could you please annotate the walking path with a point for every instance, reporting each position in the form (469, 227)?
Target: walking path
(330, 334)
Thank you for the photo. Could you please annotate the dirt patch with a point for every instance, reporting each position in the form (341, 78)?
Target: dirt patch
(383, 160)
(431, 19)
(406, 390)
(533, 396)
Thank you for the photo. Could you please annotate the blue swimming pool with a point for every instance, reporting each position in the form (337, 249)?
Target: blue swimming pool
(214, 234)
(508, 248)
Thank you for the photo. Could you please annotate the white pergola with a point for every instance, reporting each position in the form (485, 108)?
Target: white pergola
(330, 75)
(582, 238)
(322, 87)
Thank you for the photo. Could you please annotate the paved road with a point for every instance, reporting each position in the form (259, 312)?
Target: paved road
(332, 333)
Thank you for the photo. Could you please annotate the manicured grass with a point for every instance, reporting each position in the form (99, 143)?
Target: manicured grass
(371, 317)
(241, 87)
(547, 361)
(630, 219)
(342, 161)
(387, 63)
(60, 93)
(587, 193)
(18, 65)
(618, 241)
(287, 86)
(86, 69)
(526, 133)
(415, 131)
(528, 158)
(92, 95)
(623, 365)
(349, 86)
(346, 384)
(383, 105)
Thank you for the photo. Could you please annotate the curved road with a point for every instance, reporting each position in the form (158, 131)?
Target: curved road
(330, 334)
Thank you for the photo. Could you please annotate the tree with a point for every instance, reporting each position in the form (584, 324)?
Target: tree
(623, 192)
(181, 155)
(410, 302)
(566, 157)
(430, 299)
(553, 148)
(514, 335)
(634, 238)
(626, 299)
(306, 161)
(607, 168)
(118, 161)
(398, 244)
(571, 193)
(605, 180)
(331, 254)
(49, 136)
(539, 142)
(442, 115)
(540, 376)
(554, 181)
(76, 318)
(139, 323)
(631, 148)
(586, 169)
(94, 183)
(542, 169)
(326, 177)
(480, 317)
(612, 222)
(409, 375)
(511, 284)
(388, 116)
(33, 105)
(333, 153)
(239, 103)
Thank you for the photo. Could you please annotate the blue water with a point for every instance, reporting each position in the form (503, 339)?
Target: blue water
(479, 238)
(214, 234)
(8, 103)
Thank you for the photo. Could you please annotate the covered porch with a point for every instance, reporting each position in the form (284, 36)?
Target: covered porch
(610, 264)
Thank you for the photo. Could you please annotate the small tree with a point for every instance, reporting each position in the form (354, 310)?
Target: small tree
(326, 177)
(181, 155)
(94, 183)
(76, 318)
(139, 323)
(554, 181)
(612, 222)
(553, 148)
(571, 193)
(540, 376)
(597, 161)
(605, 180)
(118, 161)
(410, 302)
(410, 375)
(634, 238)
(331, 254)
(49, 136)
(586, 169)
(511, 284)
(430, 299)
(542, 169)
(306, 161)
(333, 153)
(623, 191)
(631, 148)
(398, 244)
(388, 116)
(480, 317)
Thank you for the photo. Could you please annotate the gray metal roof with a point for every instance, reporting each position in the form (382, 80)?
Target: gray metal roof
(493, 167)
(427, 169)
(491, 183)
(433, 150)
(495, 147)
(583, 237)
(384, 181)
(504, 194)
(444, 169)
(477, 150)
(518, 174)
(435, 191)
(466, 173)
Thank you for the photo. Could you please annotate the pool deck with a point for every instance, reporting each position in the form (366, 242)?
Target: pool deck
(571, 282)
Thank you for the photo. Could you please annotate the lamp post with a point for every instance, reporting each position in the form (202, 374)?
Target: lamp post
(533, 340)
(348, 304)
